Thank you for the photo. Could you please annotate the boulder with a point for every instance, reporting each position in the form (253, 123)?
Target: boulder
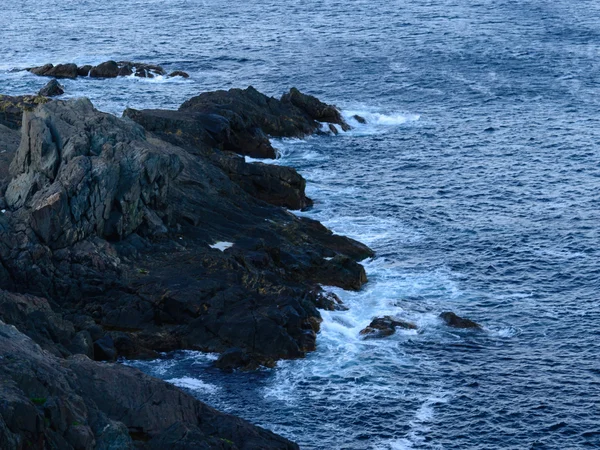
(359, 119)
(84, 71)
(452, 320)
(52, 89)
(108, 69)
(385, 326)
(58, 71)
(315, 109)
(179, 73)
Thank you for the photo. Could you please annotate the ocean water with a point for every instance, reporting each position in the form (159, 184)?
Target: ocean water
(476, 180)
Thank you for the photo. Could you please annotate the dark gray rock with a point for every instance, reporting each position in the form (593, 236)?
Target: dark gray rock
(359, 119)
(115, 216)
(52, 89)
(84, 71)
(385, 326)
(78, 403)
(253, 117)
(452, 320)
(179, 73)
(104, 349)
(58, 71)
(108, 69)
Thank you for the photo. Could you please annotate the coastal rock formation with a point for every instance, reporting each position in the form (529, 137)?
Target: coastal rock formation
(108, 69)
(385, 326)
(452, 320)
(52, 89)
(105, 212)
(75, 403)
(121, 241)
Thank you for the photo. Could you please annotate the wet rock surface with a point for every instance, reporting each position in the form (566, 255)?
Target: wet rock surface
(385, 326)
(52, 89)
(245, 117)
(109, 248)
(452, 320)
(107, 69)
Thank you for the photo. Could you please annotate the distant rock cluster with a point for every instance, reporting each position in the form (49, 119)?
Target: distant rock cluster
(108, 69)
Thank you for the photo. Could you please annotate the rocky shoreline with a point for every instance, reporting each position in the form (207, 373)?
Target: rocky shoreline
(124, 237)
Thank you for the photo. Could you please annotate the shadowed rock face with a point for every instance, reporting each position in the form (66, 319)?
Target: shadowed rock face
(75, 403)
(12, 108)
(240, 121)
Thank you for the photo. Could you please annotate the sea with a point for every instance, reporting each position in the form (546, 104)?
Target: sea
(476, 180)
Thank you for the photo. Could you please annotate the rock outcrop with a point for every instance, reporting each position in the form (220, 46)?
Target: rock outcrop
(105, 212)
(385, 326)
(12, 108)
(107, 250)
(52, 89)
(107, 69)
(454, 321)
(75, 403)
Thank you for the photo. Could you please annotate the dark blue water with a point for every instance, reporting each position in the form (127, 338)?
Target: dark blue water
(477, 181)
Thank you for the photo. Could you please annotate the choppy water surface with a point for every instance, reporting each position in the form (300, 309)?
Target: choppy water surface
(477, 181)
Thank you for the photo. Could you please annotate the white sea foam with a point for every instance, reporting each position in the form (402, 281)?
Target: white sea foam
(193, 384)
(377, 122)
(222, 245)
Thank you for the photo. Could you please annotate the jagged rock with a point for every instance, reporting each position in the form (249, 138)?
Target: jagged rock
(78, 403)
(179, 73)
(115, 228)
(329, 301)
(253, 117)
(108, 69)
(115, 216)
(315, 109)
(277, 185)
(52, 89)
(236, 358)
(452, 320)
(385, 326)
(9, 142)
(101, 188)
(198, 132)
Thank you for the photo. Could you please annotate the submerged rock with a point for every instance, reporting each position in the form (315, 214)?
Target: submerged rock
(385, 326)
(52, 89)
(452, 320)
